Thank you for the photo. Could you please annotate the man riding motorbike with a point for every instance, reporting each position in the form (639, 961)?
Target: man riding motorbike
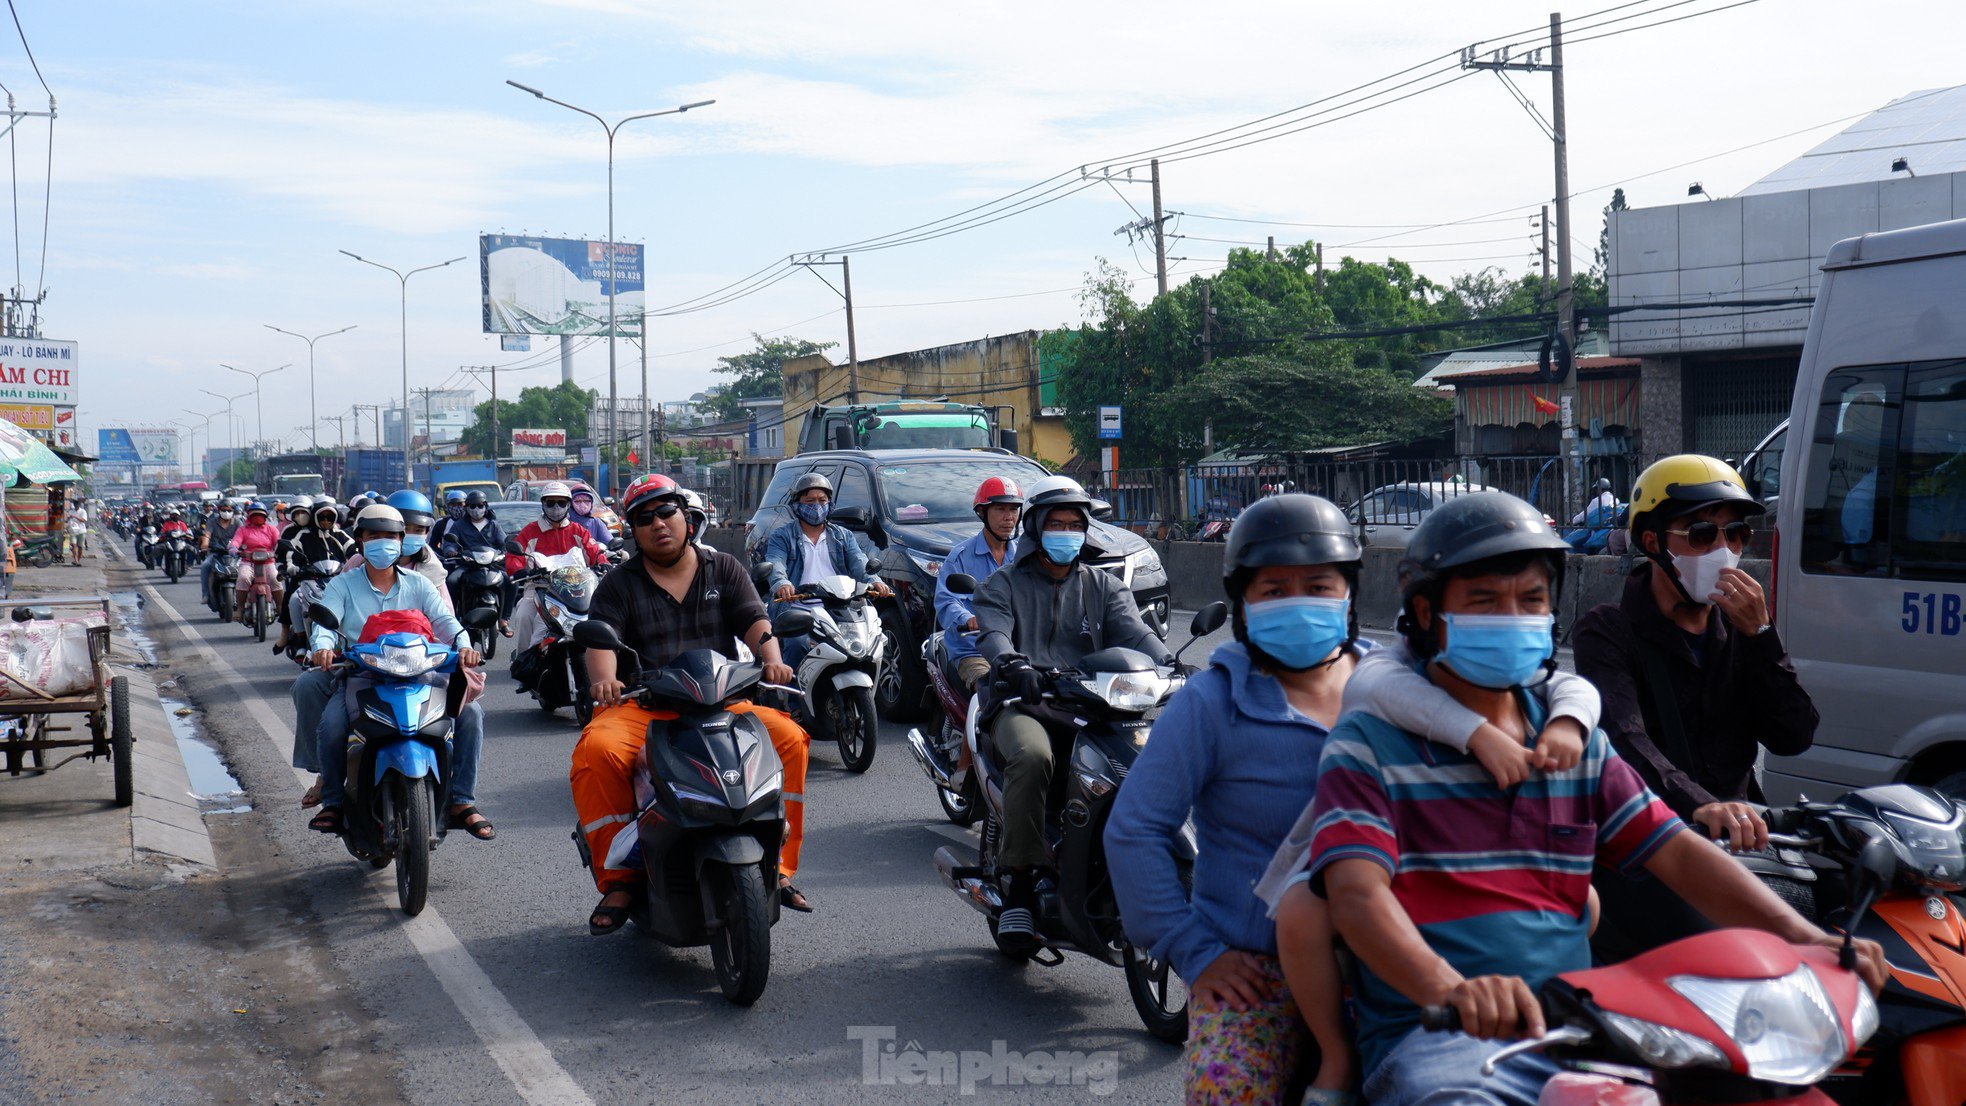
(809, 548)
(670, 597)
(323, 540)
(1048, 609)
(997, 504)
(553, 534)
(354, 597)
(453, 513)
(217, 537)
(1695, 679)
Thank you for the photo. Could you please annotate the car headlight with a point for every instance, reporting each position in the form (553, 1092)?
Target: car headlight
(928, 564)
(1147, 570)
(1665, 1047)
(402, 660)
(1129, 691)
(1787, 1028)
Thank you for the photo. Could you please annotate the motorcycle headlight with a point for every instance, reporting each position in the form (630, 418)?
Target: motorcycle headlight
(1129, 691)
(1787, 1028)
(402, 660)
(1665, 1047)
(928, 564)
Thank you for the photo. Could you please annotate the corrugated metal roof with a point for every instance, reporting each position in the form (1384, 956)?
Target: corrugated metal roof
(1928, 128)
(1584, 365)
(1460, 361)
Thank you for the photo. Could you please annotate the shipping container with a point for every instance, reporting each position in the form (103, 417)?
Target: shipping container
(371, 470)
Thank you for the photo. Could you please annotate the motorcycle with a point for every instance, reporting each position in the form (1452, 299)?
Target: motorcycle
(1113, 697)
(259, 601)
(712, 814)
(554, 672)
(1918, 1056)
(399, 753)
(146, 546)
(176, 556)
(477, 580)
(843, 660)
(303, 590)
(225, 577)
(943, 758)
(1216, 520)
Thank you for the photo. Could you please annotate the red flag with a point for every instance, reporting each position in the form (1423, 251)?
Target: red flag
(1543, 406)
(633, 459)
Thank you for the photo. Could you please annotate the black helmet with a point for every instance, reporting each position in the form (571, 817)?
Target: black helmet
(1289, 529)
(476, 498)
(1476, 526)
(810, 481)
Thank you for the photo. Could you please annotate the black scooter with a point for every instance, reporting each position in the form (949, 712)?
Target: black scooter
(477, 580)
(709, 834)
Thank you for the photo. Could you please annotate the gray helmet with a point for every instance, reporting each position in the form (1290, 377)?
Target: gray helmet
(810, 481)
(1603, 484)
(1477, 526)
(1289, 529)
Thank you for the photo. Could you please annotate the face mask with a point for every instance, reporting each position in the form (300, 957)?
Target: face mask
(413, 544)
(1497, 651)
(556, 512)
(477, 513)
(455, 510)
(225, 516)
(1062, 546)
(583, 506)
(812, 514)
(1299, 631)
(1700, 574)
(382, 551)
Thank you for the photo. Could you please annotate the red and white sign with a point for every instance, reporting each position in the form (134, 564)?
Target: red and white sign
(539, 444)
(38, 371)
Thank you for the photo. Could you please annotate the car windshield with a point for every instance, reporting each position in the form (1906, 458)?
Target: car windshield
(943, 491)
(513, 515)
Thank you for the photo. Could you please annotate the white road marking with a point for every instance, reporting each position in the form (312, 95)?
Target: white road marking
(512, 1044)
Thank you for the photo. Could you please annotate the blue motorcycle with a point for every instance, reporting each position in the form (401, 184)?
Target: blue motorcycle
(403, 701)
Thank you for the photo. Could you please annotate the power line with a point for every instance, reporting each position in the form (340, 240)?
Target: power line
(30, 51)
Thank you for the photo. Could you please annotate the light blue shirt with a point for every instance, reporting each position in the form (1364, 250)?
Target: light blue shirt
(354, 600)
(952, 611)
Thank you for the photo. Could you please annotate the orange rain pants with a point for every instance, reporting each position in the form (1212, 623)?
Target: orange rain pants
(603, 778)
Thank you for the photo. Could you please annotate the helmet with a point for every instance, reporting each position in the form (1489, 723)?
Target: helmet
(1683, 483)
(379, 518)
(555, 490)
(1603, 485)
(298, 509)
(453, 496)
(329, 509)
(372, 495)
(996, 490)
(356, 504)
(647, 490)
(1474, 527)
(414, 506)
(697, 508)
(583, 492)
(253, 508)
(810, 481)
(1049, 493)
(1290, 529)
(475, 498)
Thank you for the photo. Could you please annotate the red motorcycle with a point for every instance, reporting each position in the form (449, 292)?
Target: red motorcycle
(1732, 1016)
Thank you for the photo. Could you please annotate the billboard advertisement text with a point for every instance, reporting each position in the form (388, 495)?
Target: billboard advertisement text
(29, 416)
(558, 285)
(40, 370)
(538, 445)
(114, 446)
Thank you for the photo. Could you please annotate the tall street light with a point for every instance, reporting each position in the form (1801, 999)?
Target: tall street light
(231, 439)
(612, 130)
(403, 280)
(259, 415)
(208, 430)
(313, 416)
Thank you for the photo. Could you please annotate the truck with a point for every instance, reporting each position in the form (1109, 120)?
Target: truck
(464, 476)
(907, 424)
(285, 476)
(371, 469)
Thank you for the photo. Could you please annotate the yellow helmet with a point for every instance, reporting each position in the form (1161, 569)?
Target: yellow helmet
(1687, 482)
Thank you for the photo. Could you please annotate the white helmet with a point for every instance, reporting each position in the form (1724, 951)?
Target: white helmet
(555, 490)
(1050, 492)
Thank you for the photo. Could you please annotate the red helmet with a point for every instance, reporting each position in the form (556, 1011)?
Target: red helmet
(648, 489)
(995, 490)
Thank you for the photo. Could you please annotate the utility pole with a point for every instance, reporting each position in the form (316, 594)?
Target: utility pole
(339, 432)
(429, 447)
(1160, 235)
(1207, 356)
(1157, 223)
(845, 292)
(1271, 251)
(1319, 262)
(1546, 253)
(377, 408)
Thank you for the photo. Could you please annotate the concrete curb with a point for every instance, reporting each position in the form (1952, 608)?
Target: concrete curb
(165, 817)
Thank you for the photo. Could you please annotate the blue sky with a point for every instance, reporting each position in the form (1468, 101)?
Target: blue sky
(212, 157)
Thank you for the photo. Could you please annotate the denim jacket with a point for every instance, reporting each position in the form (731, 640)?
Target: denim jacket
(785, 551)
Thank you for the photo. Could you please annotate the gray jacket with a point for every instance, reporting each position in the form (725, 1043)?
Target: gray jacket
(1054, 623)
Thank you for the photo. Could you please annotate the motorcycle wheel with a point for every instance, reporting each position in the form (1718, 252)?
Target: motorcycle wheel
(259, 618)
(583, 709)
(1159, 996)
(740, 949)
(170, 570)
(902, 682)
(413, 818)
(961, 809)
(42, 558)
(855, 727)
(225, 603)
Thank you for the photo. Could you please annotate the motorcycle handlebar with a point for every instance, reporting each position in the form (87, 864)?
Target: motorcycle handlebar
(1440, 1019)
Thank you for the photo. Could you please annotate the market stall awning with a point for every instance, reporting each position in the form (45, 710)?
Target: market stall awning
(24, 455)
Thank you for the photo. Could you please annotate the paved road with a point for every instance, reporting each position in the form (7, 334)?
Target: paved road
(497, 994)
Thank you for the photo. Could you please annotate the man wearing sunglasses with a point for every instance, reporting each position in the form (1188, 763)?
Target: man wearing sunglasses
(1694, 678)
(672, 596)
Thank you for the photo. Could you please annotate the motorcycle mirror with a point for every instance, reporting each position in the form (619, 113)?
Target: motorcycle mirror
(761, 575)
(513, 547)
(851, 518)
(1876, 866)
(961, 583)
(792, 622)
(322, 616)
(1209, 619)
(480, 618)
(594, 634)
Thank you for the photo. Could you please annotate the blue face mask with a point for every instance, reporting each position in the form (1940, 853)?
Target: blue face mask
(382, 551)
(812, 514)
(1299, 631)
(1062, 546)
(414, 543)
(1497, 651)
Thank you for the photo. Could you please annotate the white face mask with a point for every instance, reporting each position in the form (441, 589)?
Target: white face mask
(1700, 575)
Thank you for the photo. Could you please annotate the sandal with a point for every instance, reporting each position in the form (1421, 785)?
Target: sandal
(313, 796)
(481, 829)
(791, 897)
(328, 821)
(608, 919)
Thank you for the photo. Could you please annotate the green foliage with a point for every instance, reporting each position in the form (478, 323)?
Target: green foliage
(239, 470)
(563, 406)
(758, 373)
(1281, 403)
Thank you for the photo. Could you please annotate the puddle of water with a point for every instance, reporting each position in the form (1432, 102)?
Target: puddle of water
(212, 784)
(129, 611)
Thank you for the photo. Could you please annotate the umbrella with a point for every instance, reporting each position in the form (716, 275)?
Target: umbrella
(22, 454)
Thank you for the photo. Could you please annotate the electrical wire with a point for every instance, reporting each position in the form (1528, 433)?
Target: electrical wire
(1331, 226)
(30, 50)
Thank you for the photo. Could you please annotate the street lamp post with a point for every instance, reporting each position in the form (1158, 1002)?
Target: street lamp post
(314, 417)
(259, 413)
(612, 129)
(403, 280)
(231, 438)
(208, 431)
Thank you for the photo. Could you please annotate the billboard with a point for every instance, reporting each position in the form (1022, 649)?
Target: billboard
(114, 446)
(539, 445)
(155, 447)
(30, 416)
(40, 370)
(558, 285)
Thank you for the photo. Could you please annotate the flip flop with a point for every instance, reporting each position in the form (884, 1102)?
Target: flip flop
(328, 821)
(791, 898)
(313, 796)
(482, 829)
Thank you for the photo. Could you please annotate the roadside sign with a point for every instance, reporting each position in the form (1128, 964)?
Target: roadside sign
(515, 343)
(1109, 424)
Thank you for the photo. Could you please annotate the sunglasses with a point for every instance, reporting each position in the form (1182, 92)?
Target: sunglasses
(1701, 535)
(648, 517)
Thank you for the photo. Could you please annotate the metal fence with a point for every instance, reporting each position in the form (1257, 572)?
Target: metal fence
(1178, 504)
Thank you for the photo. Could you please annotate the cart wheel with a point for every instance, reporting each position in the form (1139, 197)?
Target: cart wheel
(120, 740)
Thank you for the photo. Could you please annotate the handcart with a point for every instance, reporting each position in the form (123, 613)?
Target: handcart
(34, 723)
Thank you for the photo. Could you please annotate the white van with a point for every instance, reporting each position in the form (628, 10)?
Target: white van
(1870, 558)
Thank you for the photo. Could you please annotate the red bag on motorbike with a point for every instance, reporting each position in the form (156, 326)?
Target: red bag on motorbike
(390, 622)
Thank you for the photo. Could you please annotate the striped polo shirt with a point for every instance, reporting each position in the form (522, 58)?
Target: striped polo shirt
(1496, 881)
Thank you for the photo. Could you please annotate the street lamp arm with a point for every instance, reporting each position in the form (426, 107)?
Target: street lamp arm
(564, 104)
(665, 111)
(377, 264)
(427, 268)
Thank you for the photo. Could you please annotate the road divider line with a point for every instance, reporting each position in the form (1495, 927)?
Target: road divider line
(511, 1043)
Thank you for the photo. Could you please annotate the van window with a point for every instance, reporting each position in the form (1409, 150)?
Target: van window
(780, 488)
(856, 490)
(1764, 470)
(1886, 474)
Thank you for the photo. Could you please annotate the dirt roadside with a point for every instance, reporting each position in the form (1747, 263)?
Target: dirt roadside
(153, 983)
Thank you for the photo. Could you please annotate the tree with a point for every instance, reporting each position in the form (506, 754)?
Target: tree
(1601, 259)
(1271, 402)
(758, 373)
(562, 407)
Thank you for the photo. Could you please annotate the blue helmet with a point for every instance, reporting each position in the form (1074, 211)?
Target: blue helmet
(257, 508)
(455, 495)
(414, 506)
